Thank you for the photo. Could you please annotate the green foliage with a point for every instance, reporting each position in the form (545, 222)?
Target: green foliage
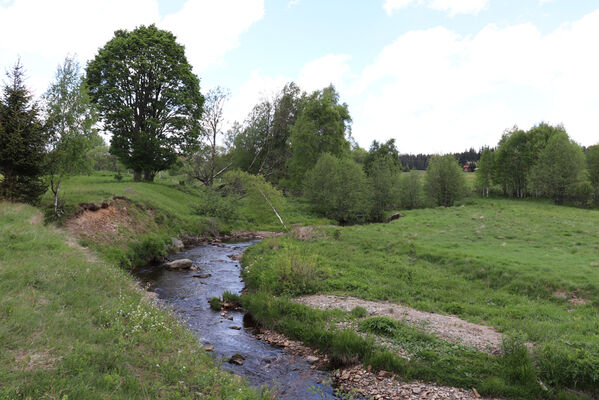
(484, 171)
(338, 189)
(383, 326)
(319, 128)
(262, 146)
(214, 204)
(559, 167)
(358, 312)
(410, 190)
(592, 157)
(517, 153)
(216, 303)
(444, 181)
(384, 178)
(517, 362)
(22, 142)
(377, 151)
(146, 63)
(70, 125)
(259, 196)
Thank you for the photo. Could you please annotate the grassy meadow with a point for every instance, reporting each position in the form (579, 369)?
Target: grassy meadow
(527, 268)
(73, 327)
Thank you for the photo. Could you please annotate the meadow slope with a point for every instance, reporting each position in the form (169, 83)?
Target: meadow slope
(529, 269)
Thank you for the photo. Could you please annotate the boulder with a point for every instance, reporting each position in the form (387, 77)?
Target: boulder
(183, 263)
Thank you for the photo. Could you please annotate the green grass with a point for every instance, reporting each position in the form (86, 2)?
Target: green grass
(496, 262)
(76, 328)
(162, 210)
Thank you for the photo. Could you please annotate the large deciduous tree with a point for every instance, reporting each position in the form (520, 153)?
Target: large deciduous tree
(148, 98)
(321, 127)
(22, 142)
(70, 121)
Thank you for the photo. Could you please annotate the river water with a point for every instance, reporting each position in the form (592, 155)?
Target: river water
(289, 376)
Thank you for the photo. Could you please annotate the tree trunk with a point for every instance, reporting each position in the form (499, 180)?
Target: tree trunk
(137, 175)
(148, 176)
(56, 211)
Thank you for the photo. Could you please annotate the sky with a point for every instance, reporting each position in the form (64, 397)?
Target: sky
(438, 76)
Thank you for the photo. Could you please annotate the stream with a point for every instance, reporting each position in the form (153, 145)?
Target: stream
(288, 375)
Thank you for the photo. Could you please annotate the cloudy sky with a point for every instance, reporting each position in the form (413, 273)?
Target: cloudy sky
(436, 75)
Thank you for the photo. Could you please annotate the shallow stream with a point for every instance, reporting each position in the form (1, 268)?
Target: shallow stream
(289, 376)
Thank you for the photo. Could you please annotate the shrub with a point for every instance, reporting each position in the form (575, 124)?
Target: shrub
(383, 326)
(338, 189)
(410, 190)
(215, 303)
(213, 204)
(444, 182)
(359, 312)
(384, 180)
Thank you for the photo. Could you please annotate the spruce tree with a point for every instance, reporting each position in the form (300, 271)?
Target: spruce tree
(22, 142)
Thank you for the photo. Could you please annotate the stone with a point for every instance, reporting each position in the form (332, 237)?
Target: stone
(311, 359)
(385, 374)
(416, 390)
(183, 263)
(202, 276)
(209, 348)
(237, 359)
(237, 328)
(178, 244)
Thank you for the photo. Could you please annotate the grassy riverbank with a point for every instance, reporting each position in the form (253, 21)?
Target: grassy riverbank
(528, 269)
(147, 215)
(78, 328)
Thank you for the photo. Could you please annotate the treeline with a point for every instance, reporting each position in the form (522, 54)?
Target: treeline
(540, 162)
(420, 161)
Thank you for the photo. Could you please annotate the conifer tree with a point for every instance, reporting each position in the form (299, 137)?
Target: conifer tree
(22, 141)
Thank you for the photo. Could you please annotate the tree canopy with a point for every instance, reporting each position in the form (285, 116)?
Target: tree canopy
(444, 182)
(321, 127)
(559, 168)
(148, 98)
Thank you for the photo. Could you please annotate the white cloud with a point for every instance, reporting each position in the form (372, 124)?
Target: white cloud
(326, 70)
(316, 74)
(43, 32)
(257, 88)
(435, 90)
(452, 7)
(210, 29)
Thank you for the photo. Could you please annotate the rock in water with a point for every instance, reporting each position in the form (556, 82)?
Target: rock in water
(177, 243)
(183, 263)
(237, 359)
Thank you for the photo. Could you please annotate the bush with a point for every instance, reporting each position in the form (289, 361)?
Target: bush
(444, 182)
(359, 312)
(410, 191)
(384, 180)
(338, 189)
(214, 204)
(383, 326)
